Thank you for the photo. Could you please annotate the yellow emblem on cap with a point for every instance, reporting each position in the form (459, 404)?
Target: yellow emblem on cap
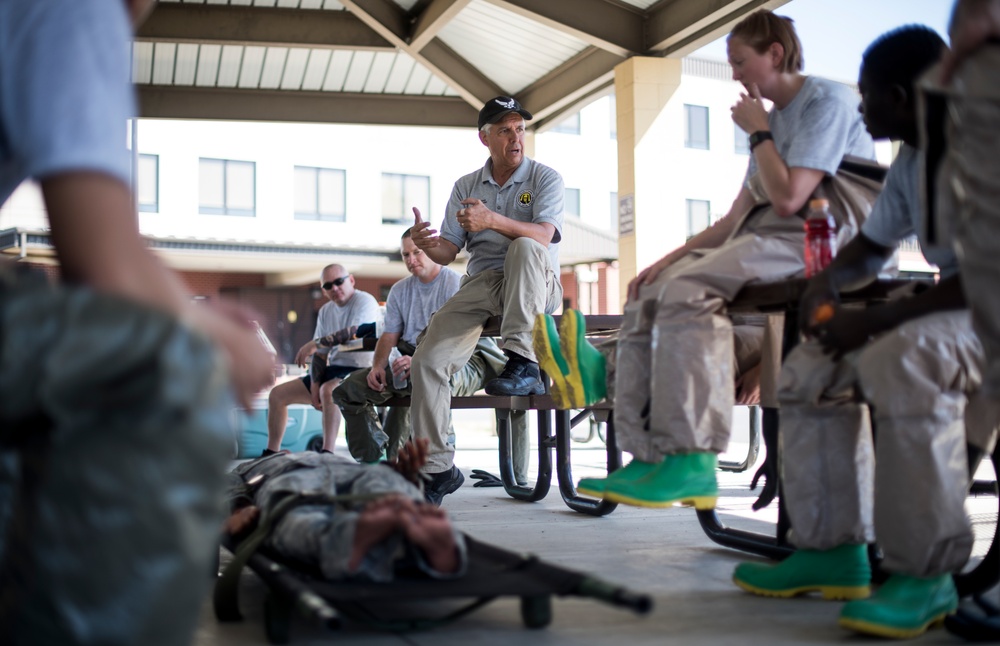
(524, 198)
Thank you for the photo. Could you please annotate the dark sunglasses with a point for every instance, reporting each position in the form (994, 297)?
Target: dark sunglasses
(337, 282)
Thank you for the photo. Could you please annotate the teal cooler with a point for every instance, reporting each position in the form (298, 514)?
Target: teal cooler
(303, 431)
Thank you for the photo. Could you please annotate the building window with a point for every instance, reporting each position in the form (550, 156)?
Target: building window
(696, 122)
(699, 216)
(148, 184)
(742, 140)
(226, 187)
(400, 193)
(571, 201)
(319, 194)
(568, 126)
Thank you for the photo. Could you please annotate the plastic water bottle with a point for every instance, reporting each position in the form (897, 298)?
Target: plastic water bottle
(821, 237)
(399, 381)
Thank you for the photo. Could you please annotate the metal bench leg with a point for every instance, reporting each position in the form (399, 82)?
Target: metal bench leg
(564, 467)
(752, 450)
(545, 441)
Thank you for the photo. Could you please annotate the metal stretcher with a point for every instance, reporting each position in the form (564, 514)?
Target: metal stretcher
(492, 573)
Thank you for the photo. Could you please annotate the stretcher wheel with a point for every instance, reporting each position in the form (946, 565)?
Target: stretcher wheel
(536, 611)
(277, 619)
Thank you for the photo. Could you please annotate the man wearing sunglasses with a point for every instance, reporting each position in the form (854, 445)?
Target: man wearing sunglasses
(347, 307)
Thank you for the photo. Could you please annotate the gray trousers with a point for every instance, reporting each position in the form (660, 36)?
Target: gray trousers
(366, 437)
(527, 286)
(675, 374)
(916, 380)
(131, 414)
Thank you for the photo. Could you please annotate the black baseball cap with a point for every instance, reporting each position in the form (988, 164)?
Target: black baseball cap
(498, 107)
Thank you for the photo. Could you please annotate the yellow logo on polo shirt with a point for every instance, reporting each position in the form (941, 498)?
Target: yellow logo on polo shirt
(525, 198)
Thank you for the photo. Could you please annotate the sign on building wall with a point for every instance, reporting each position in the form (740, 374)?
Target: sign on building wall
(626, 215)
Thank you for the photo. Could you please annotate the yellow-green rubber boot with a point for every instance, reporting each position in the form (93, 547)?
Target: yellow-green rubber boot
(545, 341)
(904, 607)
(587, 372)
(839, 573)
(634, 470)
(681, 477)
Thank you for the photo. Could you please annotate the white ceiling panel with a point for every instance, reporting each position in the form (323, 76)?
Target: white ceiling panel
(435, 87)
(490, 38)
(399, 75)
(315, 72)
(379, 73)
(229, 66)
(337, 73)
(357, 74)
(186, 64)
(295, 68)
(163, 63)
(418, 80)
(642, 4)
(274, 67)
(333, 4)
(251, 67)
(208, 65)
(142, 62)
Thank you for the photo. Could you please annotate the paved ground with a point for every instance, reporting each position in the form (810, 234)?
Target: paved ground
(663, 553)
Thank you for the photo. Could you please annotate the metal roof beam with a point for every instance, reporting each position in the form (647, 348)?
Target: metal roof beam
(681, 26)
(233, 25)
(599, 23)
(575, 79)
(433, 19)
(389, 21)
(176, 102)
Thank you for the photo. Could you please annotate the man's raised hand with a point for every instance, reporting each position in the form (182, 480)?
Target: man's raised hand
(422, 235)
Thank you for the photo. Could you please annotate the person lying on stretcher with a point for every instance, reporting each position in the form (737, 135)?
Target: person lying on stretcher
(349, 520)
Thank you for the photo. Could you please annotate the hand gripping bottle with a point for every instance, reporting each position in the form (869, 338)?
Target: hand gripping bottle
(399, 382)
(821, 237)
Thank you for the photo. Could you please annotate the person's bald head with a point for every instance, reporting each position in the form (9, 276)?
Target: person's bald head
(337, 284)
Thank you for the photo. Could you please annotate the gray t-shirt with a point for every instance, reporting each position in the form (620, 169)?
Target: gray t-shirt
(411, 303)
(361, 308)
(65, 89)
(819, 127)
(897, 214)
(534, 193)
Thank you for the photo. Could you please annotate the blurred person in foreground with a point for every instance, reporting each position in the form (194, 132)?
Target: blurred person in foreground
(114, 388)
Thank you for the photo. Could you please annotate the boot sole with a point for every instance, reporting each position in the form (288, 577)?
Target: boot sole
(545, 342)
(593, 493)
(891, 632)
(701, 503)
(829, 592)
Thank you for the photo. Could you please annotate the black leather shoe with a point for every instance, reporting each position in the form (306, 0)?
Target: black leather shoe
(442, 484)
(520, 378)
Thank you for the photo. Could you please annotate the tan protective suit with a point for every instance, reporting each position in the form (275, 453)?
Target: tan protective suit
(675, 371)
(963, 187)
(915, 380)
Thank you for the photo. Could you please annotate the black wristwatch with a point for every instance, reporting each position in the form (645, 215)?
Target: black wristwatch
(760, 137)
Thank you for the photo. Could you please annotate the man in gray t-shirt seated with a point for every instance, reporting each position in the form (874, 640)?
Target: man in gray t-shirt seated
(508, 215)
(408, 309)
(328, 366)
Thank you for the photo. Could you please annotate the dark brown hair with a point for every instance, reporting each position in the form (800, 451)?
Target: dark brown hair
(762, 28)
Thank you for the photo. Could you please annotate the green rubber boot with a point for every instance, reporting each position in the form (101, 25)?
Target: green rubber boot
(587, 371)
(634, 470)
(904, 607)
(681, 477)
(545, 341)
(839, 573)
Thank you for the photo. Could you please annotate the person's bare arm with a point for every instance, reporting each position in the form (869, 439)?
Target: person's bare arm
(787, 189)
(96, 236)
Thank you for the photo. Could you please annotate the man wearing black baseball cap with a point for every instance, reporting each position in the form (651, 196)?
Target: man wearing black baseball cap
(508, 215)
